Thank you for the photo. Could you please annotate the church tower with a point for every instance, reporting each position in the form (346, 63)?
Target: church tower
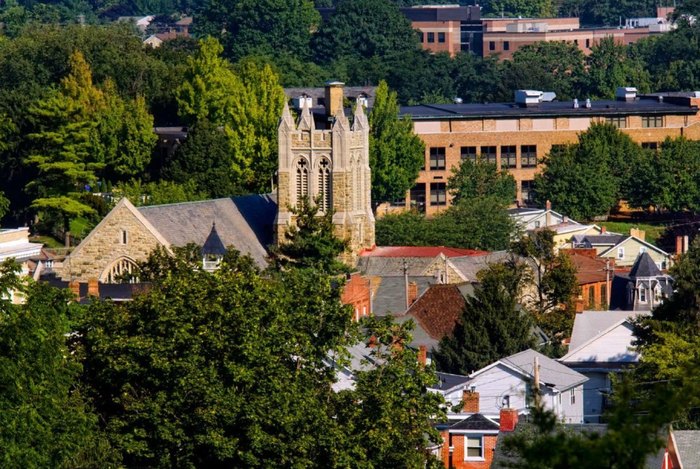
(330, 163)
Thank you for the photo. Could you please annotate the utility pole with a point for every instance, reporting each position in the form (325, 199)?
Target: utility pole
(405, 281)
(536, 378)
(608, 269)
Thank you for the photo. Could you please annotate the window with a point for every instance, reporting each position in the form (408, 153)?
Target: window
(302, 181)
(437, 158)
(431, 37)
(576, 42)
(573, 397)
(488, 154)
(506, 401)
(417, 197)
(642, 295)
(528, 156)
(620, 253)
(324, 185)
(441, 37)
(438, 193)
(617, 121)
(588, 43)
(537, 224)
(527, 192)
(421, 36)
(473, 447)
(492, 45)
(652, 121)
(506, 45)
(124, 238)
(508, 158)
(642, 250)
(591, 297)
(122, 271)
(650, 145)
(604, 296)
(468, 153)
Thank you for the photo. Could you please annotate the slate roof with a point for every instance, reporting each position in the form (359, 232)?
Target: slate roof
(469, 266)
(644, 266)
(438, 309)
(552, 373)
(420, 251)
(611, 239)
(390, 294)
(688, 446)
(476, 422)
(245, 222)
(393, 266)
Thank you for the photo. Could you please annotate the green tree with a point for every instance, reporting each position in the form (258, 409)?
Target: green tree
(396, 154)
(364, 28)
(492, 324)
(610, 65)
(390, 412)
(403, 229)
(204, 158)
(480, 223)
(4, 205)
(310, 242)
(158, 193)
(524, 8)
(248, 27)
(472, 179)
(44, 418)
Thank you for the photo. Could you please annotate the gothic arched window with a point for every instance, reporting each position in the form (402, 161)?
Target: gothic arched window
(324, 185)
(302, 181)
(123, 270)
(359, 186)
(353, 193)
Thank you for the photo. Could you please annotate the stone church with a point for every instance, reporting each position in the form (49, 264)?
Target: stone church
(322, 156)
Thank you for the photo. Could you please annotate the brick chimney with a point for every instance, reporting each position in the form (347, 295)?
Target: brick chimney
(470, 401)
(423, 355)
(508, 419)
(412, 292)
(334, 97)
(637, 233)
(603, 230)
(93, 287)
(548, 216)
(679, 245)
(74, 288)
(579, 305)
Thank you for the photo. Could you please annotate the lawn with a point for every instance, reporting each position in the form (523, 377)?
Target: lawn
(652, 231)
(48, 241)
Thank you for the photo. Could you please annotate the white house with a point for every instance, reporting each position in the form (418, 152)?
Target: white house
(14, 243)
(506, 384)
(601, 345)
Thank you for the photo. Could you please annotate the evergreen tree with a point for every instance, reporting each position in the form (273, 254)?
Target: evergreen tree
(396, 154)
(492, 325)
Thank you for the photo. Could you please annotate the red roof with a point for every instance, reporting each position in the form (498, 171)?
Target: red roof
(420, 251)
(438, 309)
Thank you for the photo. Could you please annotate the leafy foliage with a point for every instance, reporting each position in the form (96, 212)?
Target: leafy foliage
(492, 324)
(472, 179)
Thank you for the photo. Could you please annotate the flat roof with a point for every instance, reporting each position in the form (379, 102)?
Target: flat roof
(545, 109)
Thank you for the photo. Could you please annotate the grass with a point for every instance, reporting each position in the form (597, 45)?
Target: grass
(652, 231)
(80, 227)
(48, 241)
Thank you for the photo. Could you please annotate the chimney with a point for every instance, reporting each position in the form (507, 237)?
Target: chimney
(508, 419)
(548, 217)
(412, 292)
(93, 287)
(685, 244)
(470, 400)
(334, 97)
(603, 230)
(74, 288)
(423, 355)
(637, 233)
(579, 305)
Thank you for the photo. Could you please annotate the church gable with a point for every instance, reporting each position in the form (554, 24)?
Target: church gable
(122, 238)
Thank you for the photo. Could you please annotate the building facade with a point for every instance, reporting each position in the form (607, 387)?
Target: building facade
(517, 136)
(328, 166)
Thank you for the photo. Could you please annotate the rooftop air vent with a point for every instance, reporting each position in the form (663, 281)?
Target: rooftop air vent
(528, 98)
(626, 93)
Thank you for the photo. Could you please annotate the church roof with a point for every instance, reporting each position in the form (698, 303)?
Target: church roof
(644, 266)
(245, 222)
(213, 245)
(420, 251)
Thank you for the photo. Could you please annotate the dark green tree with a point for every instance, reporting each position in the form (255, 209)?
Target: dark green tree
(473, 179)
(609, 66)
(364, 28)
(396, 154)
(479, 223)
(249, 27)
(524, 8)
(204, 158)
(310, 242)
(492, 324)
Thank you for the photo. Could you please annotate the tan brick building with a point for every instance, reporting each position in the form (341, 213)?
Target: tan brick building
(517, 136)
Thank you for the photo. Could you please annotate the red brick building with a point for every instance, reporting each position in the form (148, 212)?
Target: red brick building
(358, 295)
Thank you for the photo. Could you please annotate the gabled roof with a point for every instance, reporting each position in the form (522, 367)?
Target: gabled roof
(246, 222)
(627, 239)
(476, 422)
(687, 444)
(438, 309)
(390, 294)
(552, 373)
(449, 380)
(644, 266)
(469, 266)
(420, 251)
(610, 239)
(588, 269)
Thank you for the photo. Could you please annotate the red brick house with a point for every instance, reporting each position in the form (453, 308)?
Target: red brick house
(356, 293)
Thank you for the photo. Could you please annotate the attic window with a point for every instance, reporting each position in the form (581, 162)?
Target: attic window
(620, 253)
